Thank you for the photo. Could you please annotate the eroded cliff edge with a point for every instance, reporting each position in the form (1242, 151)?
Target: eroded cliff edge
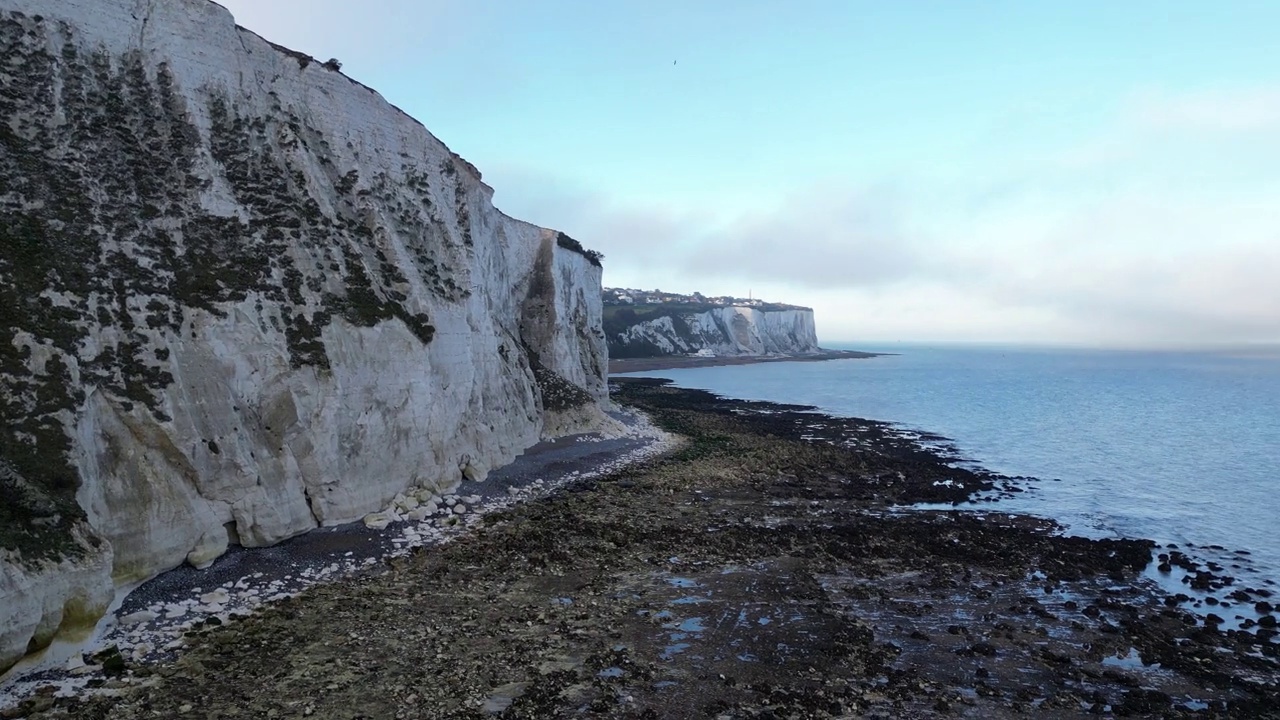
(242, 296)
(724, 331)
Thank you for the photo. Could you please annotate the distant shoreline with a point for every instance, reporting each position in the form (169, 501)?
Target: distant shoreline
(668, 362)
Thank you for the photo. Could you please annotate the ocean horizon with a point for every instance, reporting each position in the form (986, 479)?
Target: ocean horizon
(1177, 446)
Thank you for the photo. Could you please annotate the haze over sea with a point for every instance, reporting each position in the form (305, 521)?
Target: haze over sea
(1179, 447)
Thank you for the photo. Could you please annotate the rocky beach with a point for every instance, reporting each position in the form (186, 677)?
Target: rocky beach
(769, 565)
(151, 622)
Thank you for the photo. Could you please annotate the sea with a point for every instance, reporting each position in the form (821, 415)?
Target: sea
(1177, 447)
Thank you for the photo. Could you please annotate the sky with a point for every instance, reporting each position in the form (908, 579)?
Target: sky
(1084, 173)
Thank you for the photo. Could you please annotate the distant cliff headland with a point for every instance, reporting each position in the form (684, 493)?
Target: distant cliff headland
(653, 323)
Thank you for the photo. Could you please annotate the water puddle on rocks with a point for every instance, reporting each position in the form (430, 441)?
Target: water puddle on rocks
(671, 651)
(1008, 636)
(502, 697)
(664, 684)
(692, 625)
(681, 582)
(745, 621)
(1131, 660)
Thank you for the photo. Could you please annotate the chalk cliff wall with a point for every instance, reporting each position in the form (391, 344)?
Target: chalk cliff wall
(242, 296)
(722, 330)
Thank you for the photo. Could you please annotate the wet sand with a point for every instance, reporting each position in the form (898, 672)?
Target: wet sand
(628, 365)
(770, 567)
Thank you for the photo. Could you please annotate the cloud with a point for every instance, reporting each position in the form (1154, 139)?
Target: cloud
(1220, 110)
(1141, 267)
(823, 238)
(1130, 269)
(1173, 132)
(636, 239)
(1214, 295)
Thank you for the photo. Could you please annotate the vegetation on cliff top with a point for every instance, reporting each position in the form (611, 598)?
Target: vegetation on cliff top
(594, 257)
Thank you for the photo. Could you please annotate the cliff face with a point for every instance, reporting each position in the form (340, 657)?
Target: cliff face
(721, 330)
(242, 296)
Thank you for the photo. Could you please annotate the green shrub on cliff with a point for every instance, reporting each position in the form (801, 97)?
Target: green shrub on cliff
(594, 257)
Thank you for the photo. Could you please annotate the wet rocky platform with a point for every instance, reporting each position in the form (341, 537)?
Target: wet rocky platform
(768, 568)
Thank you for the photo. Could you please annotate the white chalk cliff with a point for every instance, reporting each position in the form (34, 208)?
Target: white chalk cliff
(242, 296)
(721, 330)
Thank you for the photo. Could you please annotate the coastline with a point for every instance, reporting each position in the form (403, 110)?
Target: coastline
(668, 362)
(150, 622)
(770, 566)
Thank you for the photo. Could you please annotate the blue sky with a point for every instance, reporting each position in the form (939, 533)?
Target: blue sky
(1082, 173)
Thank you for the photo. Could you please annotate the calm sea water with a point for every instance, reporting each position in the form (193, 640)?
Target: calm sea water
(1175, 447)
